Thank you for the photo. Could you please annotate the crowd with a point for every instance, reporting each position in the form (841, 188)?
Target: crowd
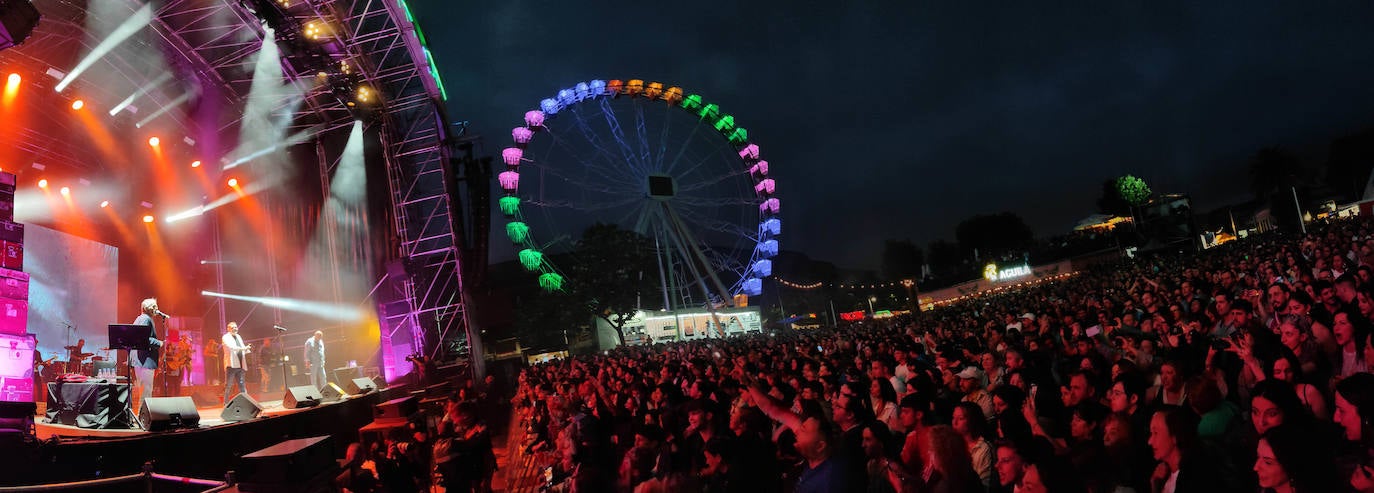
(1241, 368)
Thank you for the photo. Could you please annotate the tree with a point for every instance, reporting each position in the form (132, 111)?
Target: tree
(901, 259)
(993, 234)
(1110, 202)
(1273, 169)
(944, 255)
(1349, 162)
(611, 269)
(1133, 191)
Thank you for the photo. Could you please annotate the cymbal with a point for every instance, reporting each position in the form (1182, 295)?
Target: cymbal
(98, 358)
(84, 355)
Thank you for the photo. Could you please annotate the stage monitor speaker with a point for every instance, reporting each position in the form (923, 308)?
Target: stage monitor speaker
(242, 407)
(331, 392)
(17, 20)
(359, 386)
(16, 418)
(169, 413)
(286, 464)
(345, 374)
(404, 407)
(301, 396)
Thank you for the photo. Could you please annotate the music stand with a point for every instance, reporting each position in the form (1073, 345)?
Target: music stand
(130, 337)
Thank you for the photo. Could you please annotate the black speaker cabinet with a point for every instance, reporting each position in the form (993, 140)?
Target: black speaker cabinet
(16, 418)
(331, 392)
(344, 374)
(292, 465)
(404, 407)
(17, 20)
(359, 386)
(301, 396)
(242, 407)
(169, 413)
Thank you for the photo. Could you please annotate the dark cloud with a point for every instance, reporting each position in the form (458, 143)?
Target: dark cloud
(897, 121)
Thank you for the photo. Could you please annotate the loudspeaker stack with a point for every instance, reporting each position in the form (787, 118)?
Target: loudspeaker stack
(14, 283)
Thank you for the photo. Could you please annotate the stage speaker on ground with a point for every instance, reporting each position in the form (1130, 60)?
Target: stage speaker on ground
(345, 374)
(169, 413)
(359, 386)
(404, 407)
(17, 20)
(301, 396)
(242, 407)
(16, 419)
(331, 392)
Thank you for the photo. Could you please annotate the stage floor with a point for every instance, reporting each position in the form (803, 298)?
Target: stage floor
(209, 418)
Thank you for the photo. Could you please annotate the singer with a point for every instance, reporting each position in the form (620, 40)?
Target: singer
(145, 360)
(234, 365)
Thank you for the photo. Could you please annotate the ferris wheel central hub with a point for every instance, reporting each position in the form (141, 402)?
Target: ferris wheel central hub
(662, 187)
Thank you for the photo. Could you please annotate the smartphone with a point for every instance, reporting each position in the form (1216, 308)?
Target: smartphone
(1034, 389)
(818, 349)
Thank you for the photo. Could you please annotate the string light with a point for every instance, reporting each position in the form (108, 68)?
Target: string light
(794, 285)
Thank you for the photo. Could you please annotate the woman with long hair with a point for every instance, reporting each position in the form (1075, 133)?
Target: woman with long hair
(1174, 443)
(1354, 412)
(884, 398)
(1350, 329)
(1287, 368)
(968, 420)
(949, 468)
(1290, 458)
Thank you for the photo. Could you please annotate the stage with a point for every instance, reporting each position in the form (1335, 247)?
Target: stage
(68, 453)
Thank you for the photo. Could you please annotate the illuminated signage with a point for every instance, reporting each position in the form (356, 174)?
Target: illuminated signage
(991, 272)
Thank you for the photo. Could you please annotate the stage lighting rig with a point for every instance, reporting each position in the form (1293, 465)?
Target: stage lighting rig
(309, 44)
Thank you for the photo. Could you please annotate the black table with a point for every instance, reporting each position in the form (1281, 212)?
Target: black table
(88, 405)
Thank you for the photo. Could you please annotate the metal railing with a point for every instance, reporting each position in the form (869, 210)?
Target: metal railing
(148, 477)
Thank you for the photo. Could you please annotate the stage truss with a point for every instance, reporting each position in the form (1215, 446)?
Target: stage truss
(422, 299)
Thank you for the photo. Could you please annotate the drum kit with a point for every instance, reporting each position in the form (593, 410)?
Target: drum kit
(77, 362)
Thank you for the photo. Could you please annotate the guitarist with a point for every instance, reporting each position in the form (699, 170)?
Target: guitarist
(175, 360)
(235, 351)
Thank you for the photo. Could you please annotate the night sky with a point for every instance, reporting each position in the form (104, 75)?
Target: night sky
(899, 121)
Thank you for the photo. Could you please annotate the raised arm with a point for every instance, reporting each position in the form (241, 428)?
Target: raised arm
(778, 412)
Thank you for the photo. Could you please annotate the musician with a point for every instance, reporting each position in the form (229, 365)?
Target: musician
(314, 359)
(184, 349)
(269, 361)
(145, 360)
(234, 353)
(75, 354)
(176, 360)
(213, 369)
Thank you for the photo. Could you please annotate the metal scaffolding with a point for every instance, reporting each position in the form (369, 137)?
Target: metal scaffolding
(215, 43)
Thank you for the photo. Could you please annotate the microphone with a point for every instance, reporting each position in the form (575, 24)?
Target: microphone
(279, 328)
(163, 315)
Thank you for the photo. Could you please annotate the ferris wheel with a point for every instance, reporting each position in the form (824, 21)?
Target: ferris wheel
(650, 158)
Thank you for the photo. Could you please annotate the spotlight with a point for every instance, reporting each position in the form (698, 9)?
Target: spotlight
(234, 182)
(65, 191)
(43, 183)
(154, 141)
(365, 94)
(14, 79)
(195, 164)
(104, 204)
(148, 218)
(78, 104)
